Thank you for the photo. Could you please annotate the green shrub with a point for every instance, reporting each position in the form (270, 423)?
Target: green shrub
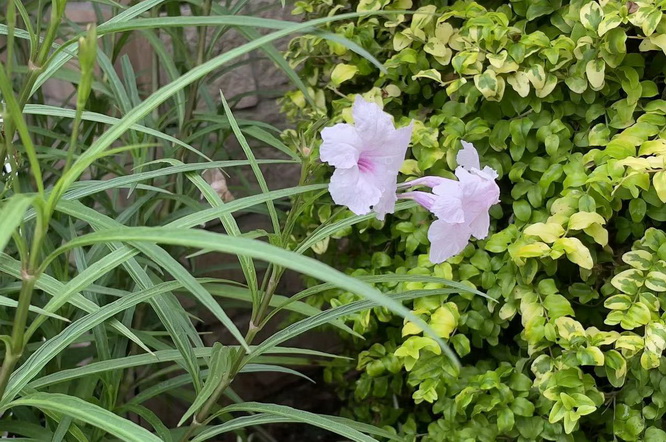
(564, 100)
(102, 209)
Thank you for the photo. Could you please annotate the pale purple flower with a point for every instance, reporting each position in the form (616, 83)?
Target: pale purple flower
(461, 206)
(367, 157)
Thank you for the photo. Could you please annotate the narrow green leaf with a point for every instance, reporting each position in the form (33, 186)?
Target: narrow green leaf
(8, 302)
(89, 413)
(302, 416)
(51, 348)
(53, 287)
(253, 163)
(219, 370)
(255, 249)
(52, 111)
(11, 216)
(159, 256)
(325, 317)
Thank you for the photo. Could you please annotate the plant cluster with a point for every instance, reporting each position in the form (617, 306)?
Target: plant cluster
(102, 209)
(566, 101)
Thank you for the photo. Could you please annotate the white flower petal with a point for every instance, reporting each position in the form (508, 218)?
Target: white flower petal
(480, 226)
(448, 205)
(479, 192)
(389, 153)
(351, 188)
(341, 146)
(468, 157)
(427, 181)
(424, 199)
(447, 240)
(385, 205)
(488, 173)
(372, 123)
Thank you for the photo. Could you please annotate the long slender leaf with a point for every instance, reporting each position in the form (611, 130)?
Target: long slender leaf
(8, 302)
(53, 287)
(52, 111)
(89, 413)
(302, 416)
(11, 216)
(255, 249)
(161, 257)
(325, 317)
(51, 348)
(253, 163)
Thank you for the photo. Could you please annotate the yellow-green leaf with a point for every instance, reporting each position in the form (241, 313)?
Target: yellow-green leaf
(342, 73)
(659, 183)
(535, 250)
(618, 302)
(590, 356)
(547, 232)
(431, 74)
(596, 73)
(598, 233)
(638, 259)
(591, 15)
(576, 251)
(582, 220)
(520, 83)
(444, 320)
(628, 281)
(656, 281)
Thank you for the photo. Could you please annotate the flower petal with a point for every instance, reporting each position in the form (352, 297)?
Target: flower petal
(341, 146)
(480, 225)
(425, 199)
(389, 153)
(428, 181)
(351, 188)
(479, 192)
(385, 205)
(468, 157)
(448, 205)
(489, 173)
(371, 122)
(447, 240)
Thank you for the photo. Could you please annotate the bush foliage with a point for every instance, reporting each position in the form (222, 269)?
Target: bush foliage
(112, 327)
(564, 100)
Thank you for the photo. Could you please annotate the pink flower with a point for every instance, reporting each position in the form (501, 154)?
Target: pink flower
(461, 206)
(367, 157)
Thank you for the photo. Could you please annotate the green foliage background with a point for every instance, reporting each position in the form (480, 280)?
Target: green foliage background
(565, 101)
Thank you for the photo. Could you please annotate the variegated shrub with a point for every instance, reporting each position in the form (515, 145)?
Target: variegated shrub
(565, 101)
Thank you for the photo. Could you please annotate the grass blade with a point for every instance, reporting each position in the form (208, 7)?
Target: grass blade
(301, 416)
(253, 163)
(255, 249)
(89, 413)
(11, 216)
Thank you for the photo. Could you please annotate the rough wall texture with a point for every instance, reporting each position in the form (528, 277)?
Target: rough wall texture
(256, 81)
(257, 74)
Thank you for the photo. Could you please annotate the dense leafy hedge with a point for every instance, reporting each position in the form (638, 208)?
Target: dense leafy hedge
(564, 100)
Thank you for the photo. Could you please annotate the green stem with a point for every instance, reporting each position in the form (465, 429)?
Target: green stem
(256, 323)
(203, 413)
(57, 11)
(73, 141)
(30, 274)
(14, 352)
(7, 368)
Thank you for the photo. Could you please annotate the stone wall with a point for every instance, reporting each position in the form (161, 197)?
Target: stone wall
(258, 74)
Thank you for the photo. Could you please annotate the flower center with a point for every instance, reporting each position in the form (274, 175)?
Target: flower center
(365, 164)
